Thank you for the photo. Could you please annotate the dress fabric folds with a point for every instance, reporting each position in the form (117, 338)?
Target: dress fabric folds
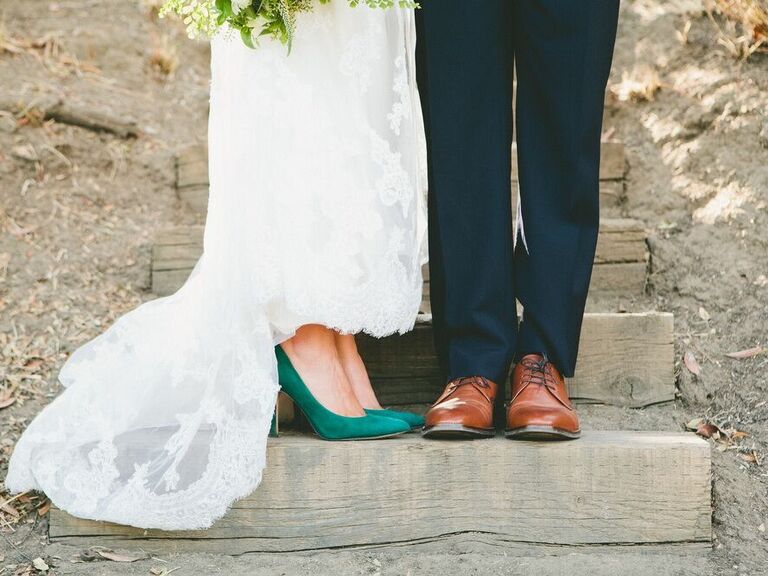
(317, 215)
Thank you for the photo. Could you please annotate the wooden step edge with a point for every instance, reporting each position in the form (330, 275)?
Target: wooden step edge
(624, 360)
(608, 488)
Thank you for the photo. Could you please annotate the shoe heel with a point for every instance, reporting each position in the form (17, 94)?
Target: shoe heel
(274, 429)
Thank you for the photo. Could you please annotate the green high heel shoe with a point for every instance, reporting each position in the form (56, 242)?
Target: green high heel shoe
(329, 425)
(415, 421)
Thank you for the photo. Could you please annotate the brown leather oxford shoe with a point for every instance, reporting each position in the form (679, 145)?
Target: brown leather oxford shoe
(464, 410)
(540, 408)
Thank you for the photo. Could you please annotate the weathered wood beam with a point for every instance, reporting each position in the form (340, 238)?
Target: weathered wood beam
(624, 360)
(621, 258)
(607, 488)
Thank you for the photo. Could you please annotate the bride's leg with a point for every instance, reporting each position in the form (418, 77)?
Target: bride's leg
(356, 372)
(314, 354)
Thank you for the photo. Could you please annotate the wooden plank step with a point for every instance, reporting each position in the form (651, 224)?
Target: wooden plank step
(192, 175)
(621, 259)
(609, 488)
(624, 360)
(613, 170)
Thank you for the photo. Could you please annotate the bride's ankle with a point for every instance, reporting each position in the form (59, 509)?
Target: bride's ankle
(311, 343)
(356, 371)
(346, 345)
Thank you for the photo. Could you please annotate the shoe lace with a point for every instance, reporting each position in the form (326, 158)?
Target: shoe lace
(480, 383)
(538, 372)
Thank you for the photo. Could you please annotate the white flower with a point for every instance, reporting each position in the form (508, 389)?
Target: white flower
(240, 5)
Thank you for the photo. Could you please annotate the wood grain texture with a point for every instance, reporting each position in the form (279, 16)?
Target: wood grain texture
(195, 197)
(621, 258)
(607, 488)
(621, 240)
(192, 177)
(612, 194)
(174, 254)
(191, 154)
(624, 360)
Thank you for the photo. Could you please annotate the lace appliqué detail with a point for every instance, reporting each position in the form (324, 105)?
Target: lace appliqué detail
(402, 107)
(395, 185)
(362, 51)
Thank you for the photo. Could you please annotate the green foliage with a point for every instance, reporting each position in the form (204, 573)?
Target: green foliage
(254, 18)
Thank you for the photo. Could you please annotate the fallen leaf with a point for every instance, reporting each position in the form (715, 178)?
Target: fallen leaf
(40, 565)
(690, 362)
(709, 430)
(738, 435)
(43, 509)
(108, 554)
(33, 363)
(744, 354)
(694, 424)
(6, 401)
(703, 314)
(750, 457)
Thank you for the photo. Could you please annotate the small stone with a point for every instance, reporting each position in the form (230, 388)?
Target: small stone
(40, 565)
(761, 528)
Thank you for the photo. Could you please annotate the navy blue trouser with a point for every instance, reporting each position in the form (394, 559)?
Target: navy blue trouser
(467, 53)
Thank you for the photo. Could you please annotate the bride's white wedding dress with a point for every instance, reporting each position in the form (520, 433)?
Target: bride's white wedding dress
(316, 215)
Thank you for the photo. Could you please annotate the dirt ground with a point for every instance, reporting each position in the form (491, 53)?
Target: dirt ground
(79, 209)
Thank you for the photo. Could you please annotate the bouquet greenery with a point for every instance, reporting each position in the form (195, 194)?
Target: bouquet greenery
(253, 18)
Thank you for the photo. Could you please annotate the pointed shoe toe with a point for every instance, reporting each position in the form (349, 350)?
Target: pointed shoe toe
(414, 421)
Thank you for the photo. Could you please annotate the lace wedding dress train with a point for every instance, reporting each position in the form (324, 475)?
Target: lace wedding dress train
(316, 215)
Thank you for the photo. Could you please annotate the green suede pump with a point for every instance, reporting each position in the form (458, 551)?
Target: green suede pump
(415, 421)
(329, 425)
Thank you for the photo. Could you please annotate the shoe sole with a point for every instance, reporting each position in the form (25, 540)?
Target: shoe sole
(541, 433)
(361, 438)
(456, 432)
(311, 427)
